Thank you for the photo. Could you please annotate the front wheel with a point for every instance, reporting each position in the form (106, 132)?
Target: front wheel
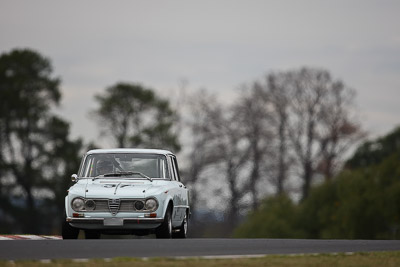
(165, 229)
(67, 231)
(182, 229)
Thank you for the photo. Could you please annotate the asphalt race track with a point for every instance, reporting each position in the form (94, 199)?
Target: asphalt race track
(110, 248)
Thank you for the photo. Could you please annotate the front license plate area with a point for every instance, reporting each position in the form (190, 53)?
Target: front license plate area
(113, 222)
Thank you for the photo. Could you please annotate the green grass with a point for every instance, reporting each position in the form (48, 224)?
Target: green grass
(386, 259)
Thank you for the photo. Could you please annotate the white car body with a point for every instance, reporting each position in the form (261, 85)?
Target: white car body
(115, 197)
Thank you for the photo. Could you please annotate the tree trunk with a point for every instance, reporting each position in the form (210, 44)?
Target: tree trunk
(282, 154)
(307, 176)
(31, 225)
(233, 209)
(255, 174)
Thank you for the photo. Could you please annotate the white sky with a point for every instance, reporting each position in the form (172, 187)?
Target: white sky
(217, 45)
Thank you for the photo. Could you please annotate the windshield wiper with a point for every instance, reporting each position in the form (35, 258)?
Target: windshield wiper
(119, 174)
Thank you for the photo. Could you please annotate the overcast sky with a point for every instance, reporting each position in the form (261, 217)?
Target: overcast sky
(217, 45)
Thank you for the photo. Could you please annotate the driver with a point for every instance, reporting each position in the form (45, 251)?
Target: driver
(104, 166)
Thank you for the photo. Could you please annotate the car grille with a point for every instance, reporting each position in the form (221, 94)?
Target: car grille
(115, 205)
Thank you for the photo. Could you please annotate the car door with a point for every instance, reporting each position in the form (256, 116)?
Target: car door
(184, 193)
(179, 192)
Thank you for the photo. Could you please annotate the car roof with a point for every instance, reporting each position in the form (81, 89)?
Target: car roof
(130, 150)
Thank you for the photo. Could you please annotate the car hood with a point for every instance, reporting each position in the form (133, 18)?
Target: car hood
(106, 188)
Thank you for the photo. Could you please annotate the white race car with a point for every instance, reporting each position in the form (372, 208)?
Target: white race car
(127, 191)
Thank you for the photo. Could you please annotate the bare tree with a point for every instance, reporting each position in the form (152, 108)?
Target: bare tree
(234, 154)
(218, 145)
(319, 128)
(202, 152)
(251, 111)
(293, 125)
(340, 129)
(279, 98)
(263, 109)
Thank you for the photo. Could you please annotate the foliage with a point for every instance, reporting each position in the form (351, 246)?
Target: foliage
(275, 218)
(372, 152)
(360, 203)
(135, 117)
(35, 151)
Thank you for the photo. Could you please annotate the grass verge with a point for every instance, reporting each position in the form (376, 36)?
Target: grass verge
(386, 259)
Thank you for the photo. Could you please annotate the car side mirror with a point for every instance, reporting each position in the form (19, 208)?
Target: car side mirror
(74, 177)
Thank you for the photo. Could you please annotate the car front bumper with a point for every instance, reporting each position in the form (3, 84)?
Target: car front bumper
(123, 223)
(125, 220)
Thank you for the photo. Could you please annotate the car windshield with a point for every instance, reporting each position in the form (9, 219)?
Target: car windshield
(125, 165)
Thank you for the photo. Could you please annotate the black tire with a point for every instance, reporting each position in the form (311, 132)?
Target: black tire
(165, 229)
(67, 231)
(92, 234)
(182, 229)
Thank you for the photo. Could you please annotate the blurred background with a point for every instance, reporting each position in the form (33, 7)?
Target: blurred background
(284, 115)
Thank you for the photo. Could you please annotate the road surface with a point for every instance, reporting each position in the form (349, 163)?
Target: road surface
(110, 248)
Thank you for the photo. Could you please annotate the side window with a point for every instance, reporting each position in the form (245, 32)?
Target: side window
(176, 168)
(88, 167)
(164, 168)
(81, 170)
(171, 168)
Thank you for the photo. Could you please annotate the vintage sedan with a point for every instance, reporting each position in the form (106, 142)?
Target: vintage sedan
(127, 191)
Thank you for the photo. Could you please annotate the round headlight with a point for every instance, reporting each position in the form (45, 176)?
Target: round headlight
(77, 204)
(151, 204)
(139, 205)
(90, 205)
